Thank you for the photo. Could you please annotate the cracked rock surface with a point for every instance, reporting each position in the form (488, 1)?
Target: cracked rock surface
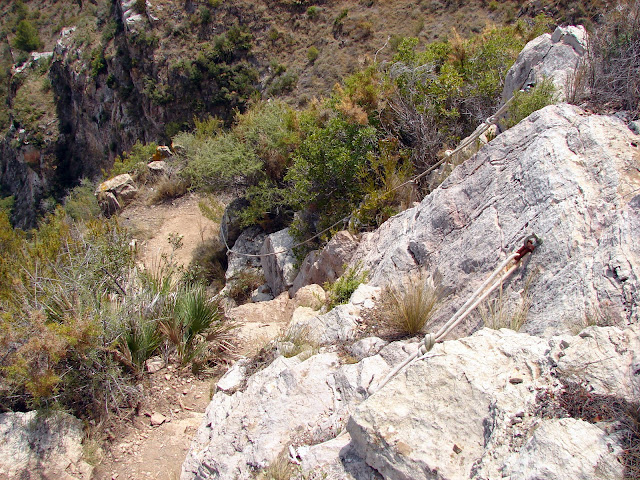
(571, 178)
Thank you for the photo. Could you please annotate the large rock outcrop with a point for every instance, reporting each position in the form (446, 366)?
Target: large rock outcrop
(475, 408)
(43, 446)
(554, 56)
(570, 178)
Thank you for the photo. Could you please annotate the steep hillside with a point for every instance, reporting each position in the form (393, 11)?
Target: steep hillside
(127, 71)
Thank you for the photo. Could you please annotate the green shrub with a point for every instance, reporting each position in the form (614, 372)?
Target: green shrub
(313, 12)
(27, 37)
(341, 290)
(221, 162)
(525, 103)
(312, 54)
(81, 203)
(134, 161)
(98, 63)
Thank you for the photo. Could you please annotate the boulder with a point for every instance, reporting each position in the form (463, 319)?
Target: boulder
(312, 296)
(328, 264)
(249, 241)
(292, 402)
(41, 446)
(278, 261)
(472, 409)
(157, 168)
(230, 228)
(555, 56)
(564, 175)
(261, 294)
(278, 310)
(235, 377)
(116, 193)
(162, 152)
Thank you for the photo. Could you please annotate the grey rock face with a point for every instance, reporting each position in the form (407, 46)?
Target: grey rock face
(568, 177)
(327, 264)
(41, 447)
(471, 410)
(279, 269)
(554, 56)
(249, 241)
(230, 228)
(290, 402)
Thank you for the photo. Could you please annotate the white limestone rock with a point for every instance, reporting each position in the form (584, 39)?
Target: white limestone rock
(279, 269)
(41, 447)
(472, 408)
(554, 56)
(561, 174)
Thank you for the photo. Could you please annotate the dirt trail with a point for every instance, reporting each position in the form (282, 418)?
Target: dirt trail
(153, 224)
(136, 449)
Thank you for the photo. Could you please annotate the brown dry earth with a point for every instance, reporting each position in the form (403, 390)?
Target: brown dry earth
(136, 449)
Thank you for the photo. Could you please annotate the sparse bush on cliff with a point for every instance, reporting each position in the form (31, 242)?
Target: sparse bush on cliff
(525, 103)
(340, 291)
(134, 162)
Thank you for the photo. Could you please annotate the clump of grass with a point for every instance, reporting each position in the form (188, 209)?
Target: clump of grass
(295, 341)
(279, 469)
(341, 290)
(195, 322)
(243, 283)
(168, 188)
(499, 312)
(409, 307)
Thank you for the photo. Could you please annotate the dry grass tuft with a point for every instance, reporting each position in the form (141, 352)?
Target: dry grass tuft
(168, 188)
(500, 312)
(408, 308)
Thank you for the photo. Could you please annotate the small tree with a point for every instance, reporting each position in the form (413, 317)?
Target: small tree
(27, 37)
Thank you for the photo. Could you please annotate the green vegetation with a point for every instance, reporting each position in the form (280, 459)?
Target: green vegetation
(134, 162)
(409, 307)
(340, 291)
(27, 37)
(312, 54)
(525, 103)
(78, 320)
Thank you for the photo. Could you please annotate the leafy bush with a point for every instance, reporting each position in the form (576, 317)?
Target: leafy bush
(525, 103)
(341, 290)
(441, 94)
(134, 161)
(81, 203)
(312, 54)
(410, 306)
